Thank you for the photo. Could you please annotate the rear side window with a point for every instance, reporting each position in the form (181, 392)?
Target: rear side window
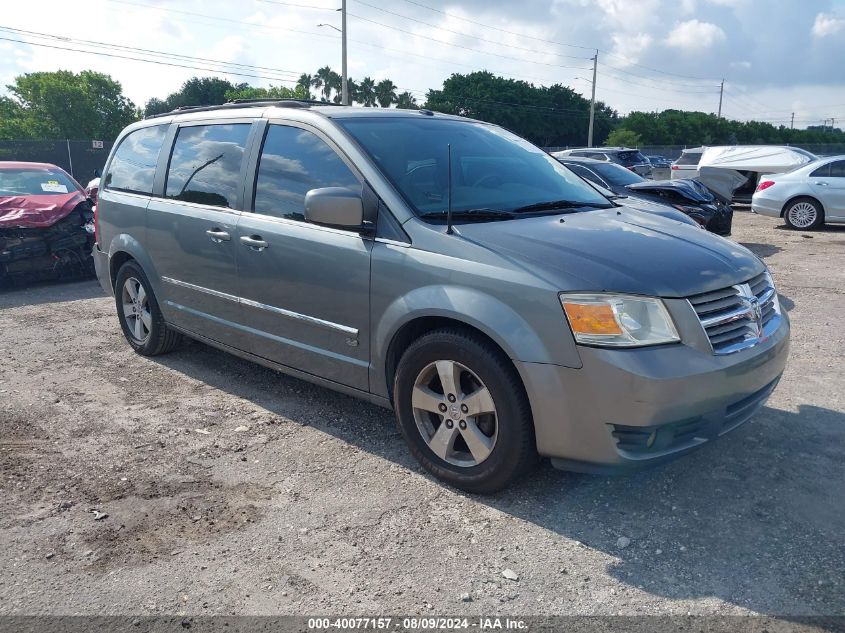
(689, 158)
(837, 169)
(632, 158)
(206, 162)
(294, 161)
(133, 166)
(821, 172)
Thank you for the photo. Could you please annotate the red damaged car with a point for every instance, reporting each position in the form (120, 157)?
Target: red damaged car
(46, 224)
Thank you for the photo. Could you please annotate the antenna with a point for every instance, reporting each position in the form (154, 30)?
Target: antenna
(449, 194)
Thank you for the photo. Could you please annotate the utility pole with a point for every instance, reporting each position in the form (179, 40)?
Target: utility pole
(792, 122)
(344, 95)
(593, 101)
(721, 94)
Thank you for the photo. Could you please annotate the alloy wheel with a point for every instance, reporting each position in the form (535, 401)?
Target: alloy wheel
(136, 310)
(455, 414)
(802, 215)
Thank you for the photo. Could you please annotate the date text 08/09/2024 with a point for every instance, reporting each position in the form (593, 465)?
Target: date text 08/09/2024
(417, 623)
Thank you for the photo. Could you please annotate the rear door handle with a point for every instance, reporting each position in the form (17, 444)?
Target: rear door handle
(254, 242)
(218, 235)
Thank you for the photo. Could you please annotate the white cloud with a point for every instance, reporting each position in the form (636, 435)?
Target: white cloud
(827, 24)
(694, 35)
(630, 47)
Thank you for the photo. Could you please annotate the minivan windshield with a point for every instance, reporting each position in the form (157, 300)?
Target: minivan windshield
(493, 171)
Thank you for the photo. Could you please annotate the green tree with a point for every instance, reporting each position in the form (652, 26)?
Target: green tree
(549, 116)
(304, 83)
(367, 92)
(324, 79)
(623, 138)
(196, 91)
(273, 92)
(63, 104)
(406, 101)
(385, 93)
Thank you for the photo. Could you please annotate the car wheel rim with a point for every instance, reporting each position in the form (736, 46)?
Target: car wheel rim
(802, 215)
(455, 413)
(136, 310)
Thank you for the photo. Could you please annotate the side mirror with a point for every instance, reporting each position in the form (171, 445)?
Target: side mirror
(335, 206)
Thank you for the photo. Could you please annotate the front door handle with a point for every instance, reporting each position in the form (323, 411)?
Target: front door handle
(254, 242)
(823, 184)
(218, 235)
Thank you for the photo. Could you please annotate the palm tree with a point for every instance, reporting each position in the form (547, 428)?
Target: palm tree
(323, 79)
(353, 88)
(367, 92)
(335, 82)
(406, 101)
(304, 84)
(385, 93)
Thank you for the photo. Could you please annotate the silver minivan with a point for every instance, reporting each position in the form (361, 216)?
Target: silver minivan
(444, 268)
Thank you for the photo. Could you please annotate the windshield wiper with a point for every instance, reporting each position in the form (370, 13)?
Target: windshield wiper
(560, 204)
(472, 214)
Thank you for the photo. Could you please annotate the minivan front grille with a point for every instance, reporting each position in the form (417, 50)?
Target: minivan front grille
(740, 316)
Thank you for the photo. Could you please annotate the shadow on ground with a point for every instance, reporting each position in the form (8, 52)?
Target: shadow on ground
(60, 292)
(754, 520)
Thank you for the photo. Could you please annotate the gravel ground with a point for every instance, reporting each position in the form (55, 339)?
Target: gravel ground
(231, 489)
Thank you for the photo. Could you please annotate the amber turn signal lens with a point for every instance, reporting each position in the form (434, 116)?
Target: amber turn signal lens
(591, 318)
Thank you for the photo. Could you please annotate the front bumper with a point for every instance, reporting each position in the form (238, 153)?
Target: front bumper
(625, 409)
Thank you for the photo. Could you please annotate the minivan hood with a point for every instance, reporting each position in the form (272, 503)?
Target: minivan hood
(618, 250)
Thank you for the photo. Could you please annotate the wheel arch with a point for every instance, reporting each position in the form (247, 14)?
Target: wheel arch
(802, 196)
(430, 308)
(123, 248)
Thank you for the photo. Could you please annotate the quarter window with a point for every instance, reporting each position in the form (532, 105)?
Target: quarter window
(206, 164)
(293, 162)
(133, 166)
(837, 169)
(821, 172)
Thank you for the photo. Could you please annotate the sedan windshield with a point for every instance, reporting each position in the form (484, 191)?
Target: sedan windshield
(31, 181)
(492, 169)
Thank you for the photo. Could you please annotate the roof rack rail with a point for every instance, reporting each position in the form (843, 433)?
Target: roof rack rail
(245, 103)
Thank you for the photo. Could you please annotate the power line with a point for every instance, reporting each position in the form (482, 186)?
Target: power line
(425, 37)
(476, 37)
(299, 6)
(588, 48)
(121, 47)
(652, 87)
(148, 61)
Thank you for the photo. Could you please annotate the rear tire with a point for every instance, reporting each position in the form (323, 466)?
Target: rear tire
(803, 214)
(473, 429)
(139, 314)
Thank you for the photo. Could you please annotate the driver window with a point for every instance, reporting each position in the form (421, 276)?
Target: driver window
(294, 161)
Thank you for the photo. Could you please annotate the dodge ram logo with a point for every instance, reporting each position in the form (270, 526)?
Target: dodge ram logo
(755, 310)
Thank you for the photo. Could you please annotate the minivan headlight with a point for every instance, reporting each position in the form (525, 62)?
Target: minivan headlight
(618, 320)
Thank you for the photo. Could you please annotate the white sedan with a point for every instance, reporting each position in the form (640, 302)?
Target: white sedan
(805, 198)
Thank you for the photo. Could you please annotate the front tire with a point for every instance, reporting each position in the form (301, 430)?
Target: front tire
(463, 411)
(139, 314)
(803, 214)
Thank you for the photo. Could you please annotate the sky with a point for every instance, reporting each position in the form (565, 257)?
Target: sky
(776, 56)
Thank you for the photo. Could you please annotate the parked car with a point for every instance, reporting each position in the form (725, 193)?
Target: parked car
(45, 224)
(629, 158)
(641, 204)
(738, 168)
(806, 197)
(659, 161)
(442, 267)
(688, 196)
(687, 164)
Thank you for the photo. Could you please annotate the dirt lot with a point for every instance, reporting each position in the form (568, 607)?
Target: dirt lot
(293, 499)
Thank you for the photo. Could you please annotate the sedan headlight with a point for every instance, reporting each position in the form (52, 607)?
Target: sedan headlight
(618, 320)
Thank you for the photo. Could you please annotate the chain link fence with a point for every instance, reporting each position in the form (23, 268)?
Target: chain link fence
(78, 158)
